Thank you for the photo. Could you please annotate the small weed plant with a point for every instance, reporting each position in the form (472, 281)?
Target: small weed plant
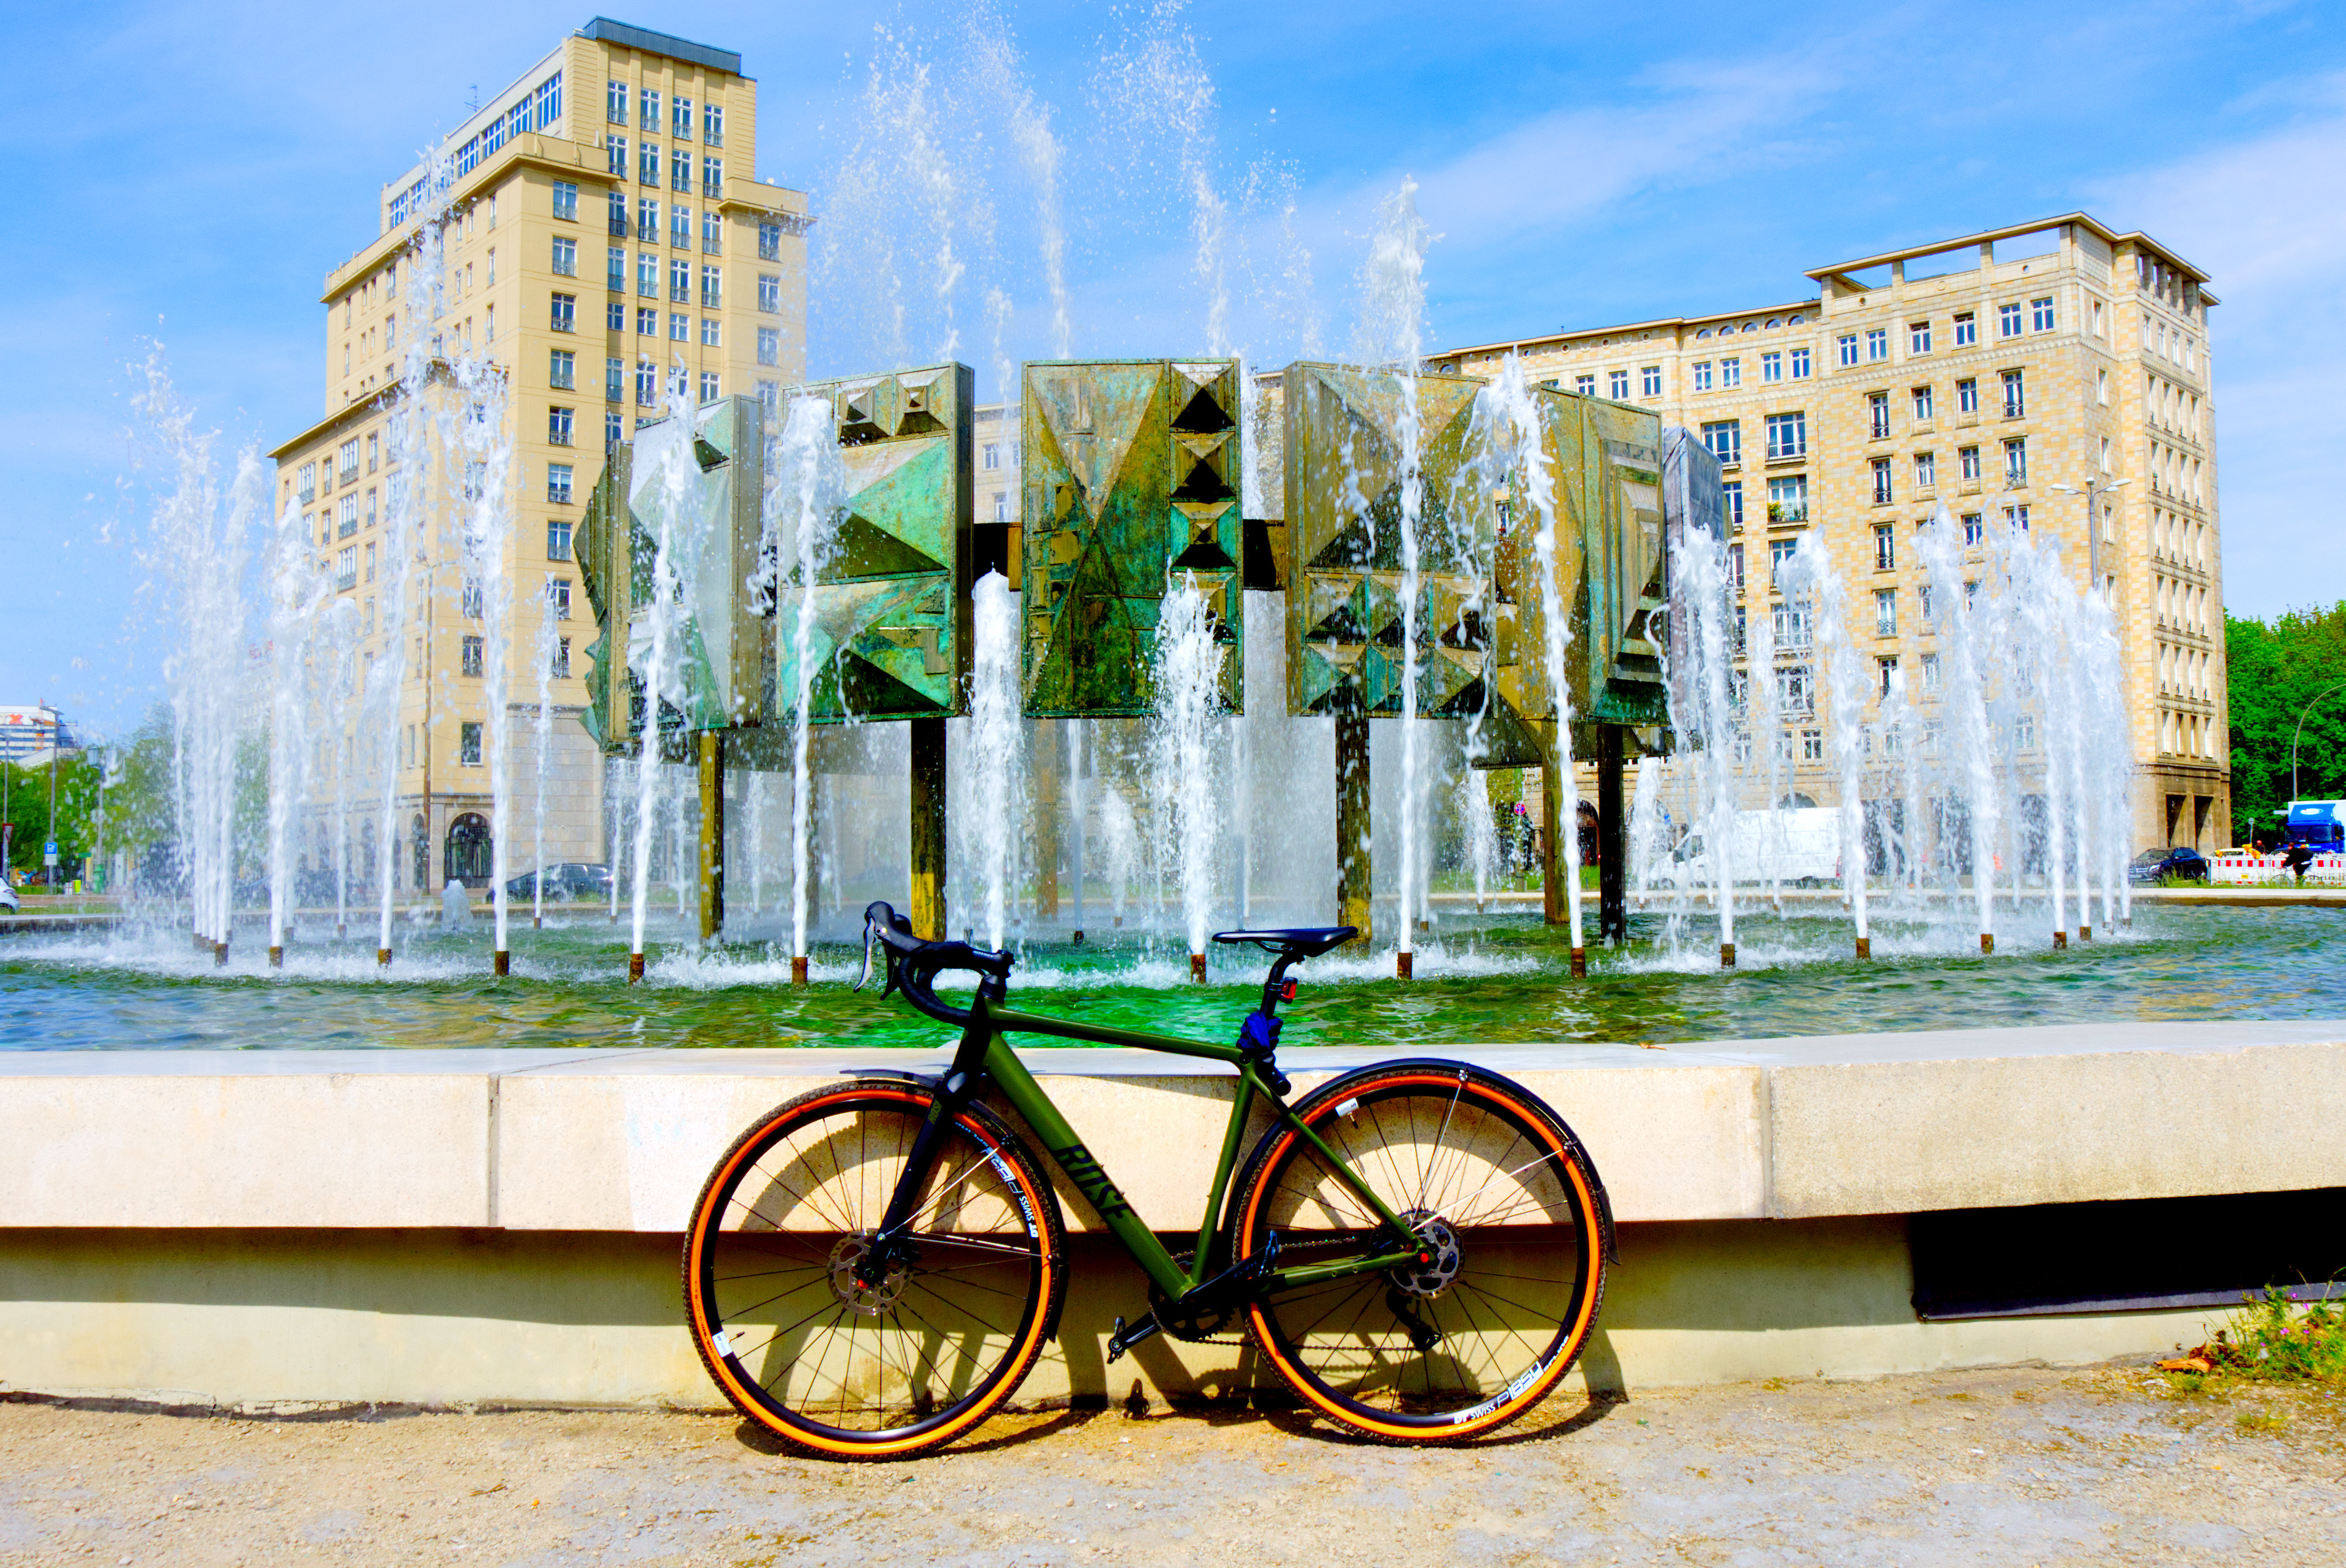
(2273, 1339)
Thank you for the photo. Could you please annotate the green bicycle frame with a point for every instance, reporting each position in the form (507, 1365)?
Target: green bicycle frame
(985, 1054)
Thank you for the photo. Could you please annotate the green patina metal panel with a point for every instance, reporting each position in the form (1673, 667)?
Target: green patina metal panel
(1482, 636)
(1130, 473)
(889, 632)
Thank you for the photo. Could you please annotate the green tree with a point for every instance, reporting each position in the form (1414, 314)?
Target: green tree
(2277, 670)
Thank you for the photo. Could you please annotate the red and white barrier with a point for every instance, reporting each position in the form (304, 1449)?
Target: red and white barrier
(2238, 868)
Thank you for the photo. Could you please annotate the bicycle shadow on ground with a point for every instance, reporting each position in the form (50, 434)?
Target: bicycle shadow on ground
(994, 1435)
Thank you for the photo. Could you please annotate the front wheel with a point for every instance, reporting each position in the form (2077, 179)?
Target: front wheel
(1503, 1210)
(851, 1361)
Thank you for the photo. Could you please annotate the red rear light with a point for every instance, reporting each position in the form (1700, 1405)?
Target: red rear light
(1286, 992)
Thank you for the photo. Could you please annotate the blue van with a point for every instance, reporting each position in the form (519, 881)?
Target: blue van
(2320, 824)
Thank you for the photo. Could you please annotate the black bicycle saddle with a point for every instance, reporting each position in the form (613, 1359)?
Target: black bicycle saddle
(1301, 942)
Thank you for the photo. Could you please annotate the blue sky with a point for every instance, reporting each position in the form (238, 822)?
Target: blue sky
(1579, 166)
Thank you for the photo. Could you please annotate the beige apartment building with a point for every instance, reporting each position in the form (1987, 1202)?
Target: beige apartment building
(2002, 375)
(603, 233)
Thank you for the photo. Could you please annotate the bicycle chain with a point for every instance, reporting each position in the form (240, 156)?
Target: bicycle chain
(1284, 1247)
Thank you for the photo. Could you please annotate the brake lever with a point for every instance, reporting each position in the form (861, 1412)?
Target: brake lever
(871, 940)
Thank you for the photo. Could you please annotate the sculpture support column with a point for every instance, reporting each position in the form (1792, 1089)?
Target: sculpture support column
(1612, 841)
(928, 780)
(710, 744)
(1552, 819)
(1353, 819)
(1045, 818)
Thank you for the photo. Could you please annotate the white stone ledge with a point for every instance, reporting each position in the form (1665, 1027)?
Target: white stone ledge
(620, 1140)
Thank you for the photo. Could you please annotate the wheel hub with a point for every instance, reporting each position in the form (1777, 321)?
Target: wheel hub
(1439, 1256)
(847, 1258)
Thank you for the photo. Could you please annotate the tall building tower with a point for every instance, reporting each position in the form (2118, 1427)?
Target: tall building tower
(2009, 376)
(600, 234)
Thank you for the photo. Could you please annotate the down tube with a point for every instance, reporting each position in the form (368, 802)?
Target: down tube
(1027, 1096)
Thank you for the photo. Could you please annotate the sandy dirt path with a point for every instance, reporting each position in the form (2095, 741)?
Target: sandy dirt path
(2008, 1467)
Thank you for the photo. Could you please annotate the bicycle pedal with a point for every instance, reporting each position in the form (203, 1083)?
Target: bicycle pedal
(1123, 1339)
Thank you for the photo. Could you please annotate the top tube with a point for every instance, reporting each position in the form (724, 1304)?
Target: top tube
(1009, 1020)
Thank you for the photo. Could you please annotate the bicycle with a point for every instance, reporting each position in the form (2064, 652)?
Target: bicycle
(1417, 1246)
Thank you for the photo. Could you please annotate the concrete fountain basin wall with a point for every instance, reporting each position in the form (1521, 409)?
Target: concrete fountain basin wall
(292, 1230)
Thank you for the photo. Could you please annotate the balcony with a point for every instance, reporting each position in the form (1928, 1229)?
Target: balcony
(619, 228)
(1788, 512)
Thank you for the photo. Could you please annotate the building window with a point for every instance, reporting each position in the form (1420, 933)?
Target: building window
(1649, 382)
(679, 171)
(713, 287)
(346, 567)
(1930, 668)
(2016, 460)
(614, 377)
(1923, 403)
(679, 282)
(471, 600)
(1847, 345)
(1788, 436)
(306, 485)
(770, 241)
(1790, 620)
(2015, 519)
(1730, 372)
(712, 124)
(647, 116)
(557, 492)
(614, 431)
(1888, 667)
(560, 670)
(1702, 376)
(712, 234)
(1788, 498)
(558, 529)
(468, 737)
(564, 313)
(709, 386)
(1974, 534)
(370, 561)
(614, 269)
(679, 123)
(1885, 546)
(557, 589)
(347, 459)
(713, 177)
(646, 322)
(679, 226)
(1001, 507)
(2007, 320)
(1617, 384)
(679, 327)
(1967, 397)
(369, 507)
(1877, 343)
(565, 200)
(615, 103)
(2040, 314)
(2015, 395)
(557, 426)
(646, 384)
(770, 293)
(1877, 414)
(647, 220)
(1966, 330)
(1735, 567)
(1794, 690)
(1968, 461)
(770, 346)
(1881, 466)
(710, 333)
(615, 164)
(648, 165)
(1926, 470)
(771, 395)
(1885, 612)
(350, 517)
(472, 666)
(1732, 493)
(562, 369)
(1724, 439)
(1799, 364)
(990, 456)
(1812, 746)
(1585, 386)
(1771, 367)
(1918, 337)
(373, 446)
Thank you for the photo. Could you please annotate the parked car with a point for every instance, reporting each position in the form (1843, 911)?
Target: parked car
(8, 899)
(1799, 846)
(573, 881)
(2175, 865)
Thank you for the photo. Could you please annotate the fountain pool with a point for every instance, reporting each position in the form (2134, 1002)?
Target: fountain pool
(1505, 980)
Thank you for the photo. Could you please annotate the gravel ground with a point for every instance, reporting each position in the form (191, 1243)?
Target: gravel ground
(2008, 1467)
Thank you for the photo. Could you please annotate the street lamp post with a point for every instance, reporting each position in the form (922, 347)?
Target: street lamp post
(2300, 731)
(2092, 521)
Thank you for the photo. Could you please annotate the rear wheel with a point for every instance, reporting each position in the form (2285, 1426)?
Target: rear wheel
(807, 1344)
(1502, 1205)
